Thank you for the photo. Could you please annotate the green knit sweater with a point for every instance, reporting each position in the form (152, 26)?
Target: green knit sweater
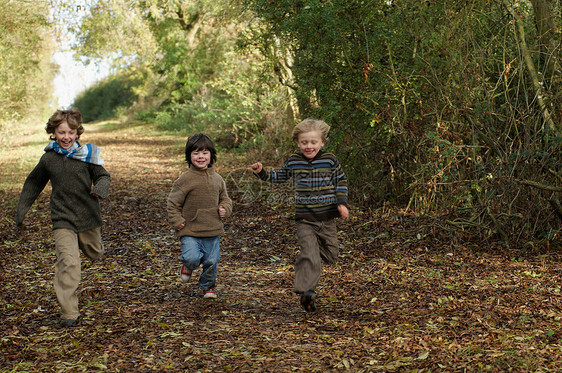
(195, 199)
(72, 204)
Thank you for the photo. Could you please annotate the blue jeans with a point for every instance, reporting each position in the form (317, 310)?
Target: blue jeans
(196, 251)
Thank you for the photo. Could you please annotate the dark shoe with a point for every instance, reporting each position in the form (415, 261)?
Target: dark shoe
(67, 323)
(308, 301)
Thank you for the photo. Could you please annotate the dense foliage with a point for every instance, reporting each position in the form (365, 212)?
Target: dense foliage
(26, 69)
(195, 76)
(449, 108)
(435, 104)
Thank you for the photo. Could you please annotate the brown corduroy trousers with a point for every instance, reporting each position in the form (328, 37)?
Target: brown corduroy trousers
(68, 267)
(318, 241)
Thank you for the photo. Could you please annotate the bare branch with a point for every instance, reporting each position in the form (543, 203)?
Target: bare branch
(537, 185)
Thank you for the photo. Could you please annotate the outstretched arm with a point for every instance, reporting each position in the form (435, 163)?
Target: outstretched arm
(257, 167)
(276, 177)
(34, 184)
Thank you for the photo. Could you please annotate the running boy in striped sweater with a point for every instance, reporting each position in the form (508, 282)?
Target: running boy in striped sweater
(320, 196)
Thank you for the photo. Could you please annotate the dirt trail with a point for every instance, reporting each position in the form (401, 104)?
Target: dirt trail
(393, 302)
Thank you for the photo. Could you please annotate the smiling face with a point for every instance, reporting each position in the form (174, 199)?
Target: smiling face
(65, 136)
(200, 159)
(310, 143)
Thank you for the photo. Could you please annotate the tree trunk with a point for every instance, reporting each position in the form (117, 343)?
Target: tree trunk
(284, 59)
(190, 26)
(546, 35)
(537, 84)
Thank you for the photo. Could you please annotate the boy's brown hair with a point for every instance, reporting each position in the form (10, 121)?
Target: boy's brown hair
(72, 117)
(310, 124)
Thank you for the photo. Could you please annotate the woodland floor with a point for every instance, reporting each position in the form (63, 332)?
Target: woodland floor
(396, 301)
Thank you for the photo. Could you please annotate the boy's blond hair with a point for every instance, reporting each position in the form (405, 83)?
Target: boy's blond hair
(310, 124)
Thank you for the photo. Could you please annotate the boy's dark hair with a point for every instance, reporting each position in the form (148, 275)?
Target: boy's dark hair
(200, 142)
(71, 116)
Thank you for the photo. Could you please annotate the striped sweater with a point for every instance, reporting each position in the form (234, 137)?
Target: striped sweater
(320, 185)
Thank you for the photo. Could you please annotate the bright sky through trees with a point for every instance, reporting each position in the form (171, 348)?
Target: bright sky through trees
(74, 77)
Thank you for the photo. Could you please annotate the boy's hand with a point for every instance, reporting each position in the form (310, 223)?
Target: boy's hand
(257, 167)
(344, 212)
(180, 227)
(222, 212)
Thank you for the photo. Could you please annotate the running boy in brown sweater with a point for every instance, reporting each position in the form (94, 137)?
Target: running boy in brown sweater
(196, 206)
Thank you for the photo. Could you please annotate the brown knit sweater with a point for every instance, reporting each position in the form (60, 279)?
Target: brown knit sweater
(195, 199)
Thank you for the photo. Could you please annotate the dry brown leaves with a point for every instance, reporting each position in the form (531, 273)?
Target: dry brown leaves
(394, 302)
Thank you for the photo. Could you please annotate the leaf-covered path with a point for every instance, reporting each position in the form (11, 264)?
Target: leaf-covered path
(394, 302)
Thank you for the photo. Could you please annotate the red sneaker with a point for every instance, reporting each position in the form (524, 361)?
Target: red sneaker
(185, 274)
(209, 294)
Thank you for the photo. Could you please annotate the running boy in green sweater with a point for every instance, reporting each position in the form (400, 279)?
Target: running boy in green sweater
(320, 196)
(78, 182)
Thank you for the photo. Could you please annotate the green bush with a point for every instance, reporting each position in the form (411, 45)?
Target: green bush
(108, 98)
